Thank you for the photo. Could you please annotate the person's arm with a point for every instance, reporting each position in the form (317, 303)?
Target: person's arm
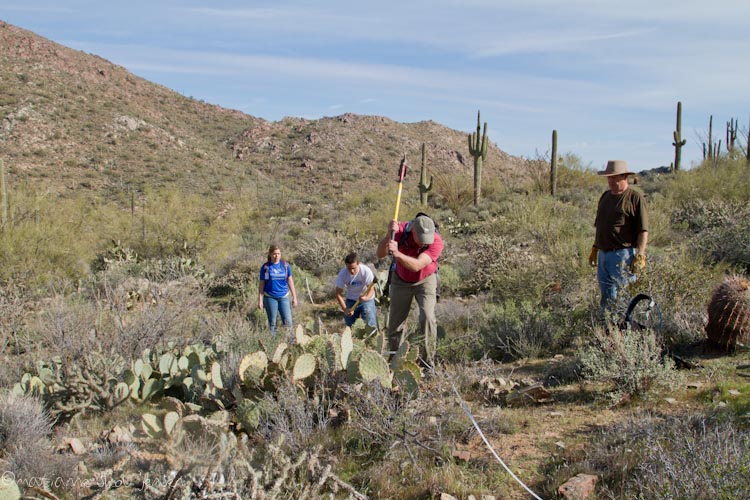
(261, 286)
(641, 243)
(424, 259)
(340, 299)
(382, 249)
(414, 264)
(290, 282)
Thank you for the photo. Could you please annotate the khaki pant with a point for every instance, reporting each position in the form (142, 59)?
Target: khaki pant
(401, 295)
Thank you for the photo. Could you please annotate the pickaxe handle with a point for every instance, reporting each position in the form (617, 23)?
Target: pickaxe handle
(367, 292)
(401, 174)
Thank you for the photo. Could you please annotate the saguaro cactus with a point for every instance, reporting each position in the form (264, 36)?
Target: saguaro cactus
(729, 313)
(731, 135)
(424, 186)
(678, 140)
(711, 151)
(478, 149)
(553, 166)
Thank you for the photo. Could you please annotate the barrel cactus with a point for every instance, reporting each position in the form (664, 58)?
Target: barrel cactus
(729, 313)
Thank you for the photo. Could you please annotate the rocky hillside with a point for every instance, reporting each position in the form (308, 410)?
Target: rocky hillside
(71, 120)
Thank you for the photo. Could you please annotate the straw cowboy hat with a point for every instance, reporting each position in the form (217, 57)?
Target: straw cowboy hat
(615, 167)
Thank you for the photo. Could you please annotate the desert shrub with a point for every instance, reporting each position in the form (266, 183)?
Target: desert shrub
(695, 458)
(67, 326)
(522, 250)
(25, 446)
(324, 255)
(630, 361)
(460, 319)
(137, 314)
(377, 416)
(701, 457)
(289, 413)
(14, 308)
(519, 329)
(453, 191)
(41, 243)
(682, 285)
(727, 180)
(720, 229)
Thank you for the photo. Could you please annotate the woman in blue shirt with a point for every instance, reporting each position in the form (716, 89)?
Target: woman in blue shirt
(276, 285)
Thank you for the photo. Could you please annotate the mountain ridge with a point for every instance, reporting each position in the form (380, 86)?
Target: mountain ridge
(72, 120)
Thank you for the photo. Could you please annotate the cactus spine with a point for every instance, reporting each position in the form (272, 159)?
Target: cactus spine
(478, 149)
(424, 186)
(678, 140)
(729, 313)
(553, 166)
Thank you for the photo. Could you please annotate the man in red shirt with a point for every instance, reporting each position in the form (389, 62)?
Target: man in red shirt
(416, 247)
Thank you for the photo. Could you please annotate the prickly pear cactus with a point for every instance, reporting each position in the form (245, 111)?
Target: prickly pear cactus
(9, 489)
(253, 367)
(304, 367)
(373, 366)
(248, 414)
(729, 313)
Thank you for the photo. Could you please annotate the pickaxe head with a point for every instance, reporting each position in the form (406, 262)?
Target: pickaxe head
(402, 169)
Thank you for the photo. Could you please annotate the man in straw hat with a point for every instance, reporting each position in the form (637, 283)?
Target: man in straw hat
(619, 250)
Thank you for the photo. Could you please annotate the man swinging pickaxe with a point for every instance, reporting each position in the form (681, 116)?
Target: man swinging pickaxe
(415, 247)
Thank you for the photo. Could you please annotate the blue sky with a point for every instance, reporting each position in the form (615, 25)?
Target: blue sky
(606, 75)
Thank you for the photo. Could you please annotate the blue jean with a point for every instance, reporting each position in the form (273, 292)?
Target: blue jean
(613, 273)
(281, 307)
(365, 310)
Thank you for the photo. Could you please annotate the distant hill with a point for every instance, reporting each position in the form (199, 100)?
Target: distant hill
(71, 120)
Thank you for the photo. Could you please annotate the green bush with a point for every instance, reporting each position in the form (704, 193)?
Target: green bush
(631, 362)
(718, 229)
(520, 329)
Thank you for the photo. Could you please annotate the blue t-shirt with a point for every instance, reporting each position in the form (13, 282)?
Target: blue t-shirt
(275, 277)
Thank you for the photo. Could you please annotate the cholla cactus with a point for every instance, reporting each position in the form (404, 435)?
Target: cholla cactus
(729, 313)
(92, 383)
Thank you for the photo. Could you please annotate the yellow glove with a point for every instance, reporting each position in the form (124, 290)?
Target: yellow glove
(638, 264)
(592, 256)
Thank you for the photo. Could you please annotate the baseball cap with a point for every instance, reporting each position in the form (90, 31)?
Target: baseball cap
(424, 229)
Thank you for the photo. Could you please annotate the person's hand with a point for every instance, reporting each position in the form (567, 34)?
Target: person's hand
(348, 312)
(294, 301)
(592, 256)
(393, 227)
(260, 304)
(392, 247)
(638, 264)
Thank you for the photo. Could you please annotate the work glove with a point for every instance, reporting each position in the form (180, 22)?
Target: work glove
(592, 256)
(638, 264)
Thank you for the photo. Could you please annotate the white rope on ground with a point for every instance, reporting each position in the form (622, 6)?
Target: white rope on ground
(476, 426)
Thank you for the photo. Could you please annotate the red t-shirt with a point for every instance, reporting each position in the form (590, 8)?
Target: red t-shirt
(410, 248)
